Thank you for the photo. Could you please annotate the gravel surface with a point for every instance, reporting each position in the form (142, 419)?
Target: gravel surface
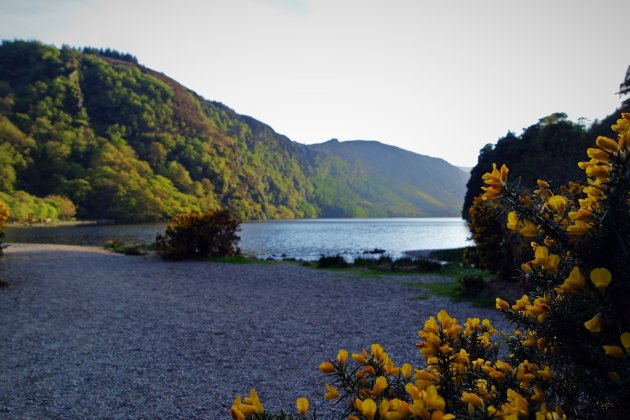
(91, 334)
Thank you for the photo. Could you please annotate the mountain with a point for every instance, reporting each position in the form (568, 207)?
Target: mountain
(95, 129)
(377, 180)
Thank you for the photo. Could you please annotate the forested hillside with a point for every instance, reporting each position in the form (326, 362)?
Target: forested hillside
(369, 179)
(547, 150)
(94, 131)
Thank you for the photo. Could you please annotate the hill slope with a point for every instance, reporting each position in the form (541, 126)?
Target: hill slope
(125, 142)
(381, 180)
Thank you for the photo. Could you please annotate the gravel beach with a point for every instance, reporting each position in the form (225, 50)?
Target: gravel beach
(91, 334)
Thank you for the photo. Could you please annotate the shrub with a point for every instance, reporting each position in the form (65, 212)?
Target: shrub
(496, 247)
(427, 265)
(4, 217)
(332, 261)
(119, 247)
(472, 284)
(196, 234)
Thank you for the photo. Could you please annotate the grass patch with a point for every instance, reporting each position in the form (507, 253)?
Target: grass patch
(449, 255)
(237, 259)
(452, 290)
(120, 247)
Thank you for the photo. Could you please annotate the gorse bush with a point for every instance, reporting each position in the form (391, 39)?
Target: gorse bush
(4, 217)
(196, 234)
(569, 355)
(496, 247)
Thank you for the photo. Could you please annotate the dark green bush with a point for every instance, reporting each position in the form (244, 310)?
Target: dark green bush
(196, 234)
(332, 261)
(427, 264)
(472, 284)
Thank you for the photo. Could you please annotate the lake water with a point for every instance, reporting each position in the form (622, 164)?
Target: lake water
(301, 239)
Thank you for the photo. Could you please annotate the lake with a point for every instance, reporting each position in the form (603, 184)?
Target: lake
(301, 239)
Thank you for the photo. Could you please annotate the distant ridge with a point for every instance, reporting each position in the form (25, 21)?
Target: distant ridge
(128, 143)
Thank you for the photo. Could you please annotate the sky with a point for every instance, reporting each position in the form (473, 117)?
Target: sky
(440, 78)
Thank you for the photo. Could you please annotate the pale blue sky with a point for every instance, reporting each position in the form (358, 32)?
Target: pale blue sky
(441, 78)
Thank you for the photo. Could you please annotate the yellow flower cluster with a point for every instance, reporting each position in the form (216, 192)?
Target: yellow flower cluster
(603, 159)
(495, 181)
(4, 216)
(251, 406)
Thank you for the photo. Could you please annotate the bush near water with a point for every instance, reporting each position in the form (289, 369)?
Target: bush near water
(569, 355)
(4, 217)
(196, 234)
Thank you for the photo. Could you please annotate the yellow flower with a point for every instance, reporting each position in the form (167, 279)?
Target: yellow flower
(599, 154)
(327, 367)
(332, 394)
(530, 341)
(236, 413)
(517, 404)
(380, 385)
(445, 319)
(503, 367)
(473, 401)
(607, 144)
(614, 351)
(433, 400)
(578, 228)
(250, 405)
(539, 394)
(521, 304)
(495, 180)
(529, 229)
(342, 356)
(496, 177)
(545, 374)
(547, 261)
(582, 215)
(575, 282)
(625, 340)
(527, 269)
(302, 405)
(430, 325)
(557, 203)
(405, 370)
(377, 351)
(513, 221)
(367, 408)
(601, 278)
(601, 171)
(360, 358)
(594, 324)
(501, 304)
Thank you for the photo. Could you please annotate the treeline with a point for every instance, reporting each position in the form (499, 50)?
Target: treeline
(546, 150)
(123, 142)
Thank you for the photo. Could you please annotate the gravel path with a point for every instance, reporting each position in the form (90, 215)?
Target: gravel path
(91, 334)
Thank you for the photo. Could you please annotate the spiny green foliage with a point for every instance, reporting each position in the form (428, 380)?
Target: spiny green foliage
(127, 143)
(196, 234)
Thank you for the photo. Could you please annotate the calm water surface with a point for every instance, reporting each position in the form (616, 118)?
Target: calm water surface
(302, 239)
